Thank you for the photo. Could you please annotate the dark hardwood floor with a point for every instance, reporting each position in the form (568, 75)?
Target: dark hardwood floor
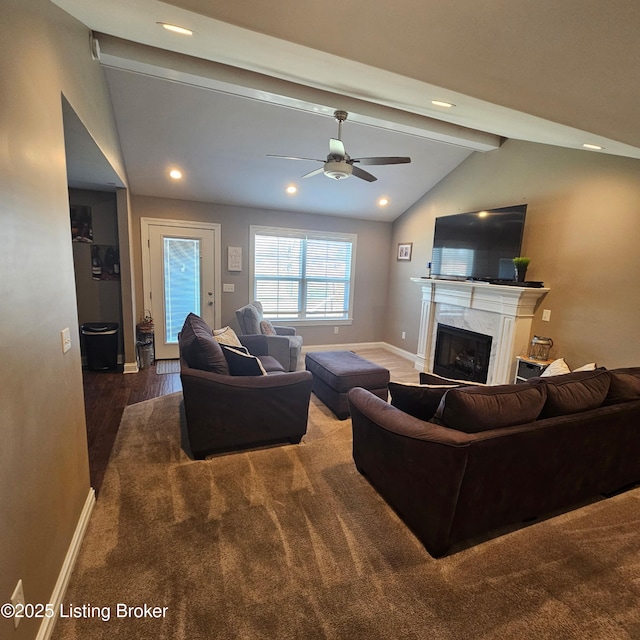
(106, 394)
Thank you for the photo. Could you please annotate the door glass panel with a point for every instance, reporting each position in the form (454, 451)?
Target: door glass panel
(181, 283)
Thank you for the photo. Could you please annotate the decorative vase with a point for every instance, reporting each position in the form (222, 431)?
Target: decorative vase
(520, 274)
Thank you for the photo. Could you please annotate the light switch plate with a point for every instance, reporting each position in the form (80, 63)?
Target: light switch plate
(229, 288)
(546, 315)
(65, 335)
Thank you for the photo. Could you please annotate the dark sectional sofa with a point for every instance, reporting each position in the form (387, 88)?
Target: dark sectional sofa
(457, 461)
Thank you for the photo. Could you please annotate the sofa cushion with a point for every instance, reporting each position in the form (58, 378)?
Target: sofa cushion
(573, 392)
(227, 335)
(474, 409)
(241, 362)
(418, 400)
(271, 365)
(267, 329)
(435, 379)
(199, 348)
(625, 386)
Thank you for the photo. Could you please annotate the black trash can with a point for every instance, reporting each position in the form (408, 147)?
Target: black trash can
(100, 345)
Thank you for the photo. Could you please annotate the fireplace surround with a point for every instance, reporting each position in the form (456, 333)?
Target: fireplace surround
(503, 312)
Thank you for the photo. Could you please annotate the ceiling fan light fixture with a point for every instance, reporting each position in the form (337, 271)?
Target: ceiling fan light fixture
(338, 170)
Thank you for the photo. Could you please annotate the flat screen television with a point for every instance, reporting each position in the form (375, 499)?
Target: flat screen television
(478, 245)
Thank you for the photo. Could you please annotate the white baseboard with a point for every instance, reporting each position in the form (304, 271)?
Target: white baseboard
(131, 367)
(345, 346)
(48, 624)
(401, 352)
(354, 346)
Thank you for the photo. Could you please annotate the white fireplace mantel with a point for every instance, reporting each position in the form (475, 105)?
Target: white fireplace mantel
(504, 312)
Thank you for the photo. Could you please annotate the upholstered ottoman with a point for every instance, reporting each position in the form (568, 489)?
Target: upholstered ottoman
(335, 372)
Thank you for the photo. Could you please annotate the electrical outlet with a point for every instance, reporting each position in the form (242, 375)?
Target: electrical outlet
(17, 599)
(65, 335)
(404, 335)
(546, 315)
(336, 331)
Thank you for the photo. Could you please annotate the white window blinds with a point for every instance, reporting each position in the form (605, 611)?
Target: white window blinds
(303, 275)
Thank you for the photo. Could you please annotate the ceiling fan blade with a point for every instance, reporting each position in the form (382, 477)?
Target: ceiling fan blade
(361, 173)
(313, 173)
(383, 160)
(336, 149)
(270, 155)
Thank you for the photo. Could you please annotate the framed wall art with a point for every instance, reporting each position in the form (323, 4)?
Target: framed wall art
(404, 250)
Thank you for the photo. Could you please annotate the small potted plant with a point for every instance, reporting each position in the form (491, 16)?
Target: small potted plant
(521, 263)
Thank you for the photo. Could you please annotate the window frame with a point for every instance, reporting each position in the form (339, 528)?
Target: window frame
(287, 232)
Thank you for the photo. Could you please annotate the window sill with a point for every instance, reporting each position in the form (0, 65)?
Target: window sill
(310, 322)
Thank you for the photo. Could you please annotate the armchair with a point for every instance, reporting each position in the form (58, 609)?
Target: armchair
(225, 412)
(285, 346)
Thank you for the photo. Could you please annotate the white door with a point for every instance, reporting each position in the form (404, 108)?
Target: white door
(182, 276)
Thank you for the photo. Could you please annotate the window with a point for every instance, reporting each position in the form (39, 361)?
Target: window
(303, 275)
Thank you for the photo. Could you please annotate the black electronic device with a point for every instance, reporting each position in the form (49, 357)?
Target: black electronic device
(478, 245)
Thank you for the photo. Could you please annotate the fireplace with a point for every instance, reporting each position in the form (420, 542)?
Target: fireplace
(501, 311)
(462, 354)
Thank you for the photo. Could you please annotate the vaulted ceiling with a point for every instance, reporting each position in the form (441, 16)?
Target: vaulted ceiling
(259, 78)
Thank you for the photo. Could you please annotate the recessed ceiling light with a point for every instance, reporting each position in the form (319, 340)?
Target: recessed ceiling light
(176, 174)
(183, 31)
(291, 189)
(383, 202)
(442, 103)
(595, 147)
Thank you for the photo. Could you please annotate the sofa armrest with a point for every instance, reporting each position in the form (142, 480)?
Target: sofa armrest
(256, 343)
(285, 331)
(221, 381)
(277, 347)
(416, 466)
(224, 412)
(396, 421)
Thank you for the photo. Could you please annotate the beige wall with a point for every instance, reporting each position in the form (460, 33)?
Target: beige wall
(372, 259)
(582, 231)
(44, 479)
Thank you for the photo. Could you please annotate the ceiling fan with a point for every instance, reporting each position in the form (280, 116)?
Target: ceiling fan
(339, 165)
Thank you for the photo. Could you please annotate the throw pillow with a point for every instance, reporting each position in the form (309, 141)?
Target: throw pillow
(198, 347)
(434, 379)
(474, 409)
(418, 400)
(227, 335)
(586, 367)
(241, 362)
(267, 328)
(574, 392)
(556, 368)
(625, 386)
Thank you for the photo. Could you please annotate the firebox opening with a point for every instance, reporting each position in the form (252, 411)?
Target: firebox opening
(462, 354)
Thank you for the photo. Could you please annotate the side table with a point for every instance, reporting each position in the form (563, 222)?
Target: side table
(527, 368)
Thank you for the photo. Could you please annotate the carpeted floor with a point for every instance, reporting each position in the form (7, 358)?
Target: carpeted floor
(290, 542)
